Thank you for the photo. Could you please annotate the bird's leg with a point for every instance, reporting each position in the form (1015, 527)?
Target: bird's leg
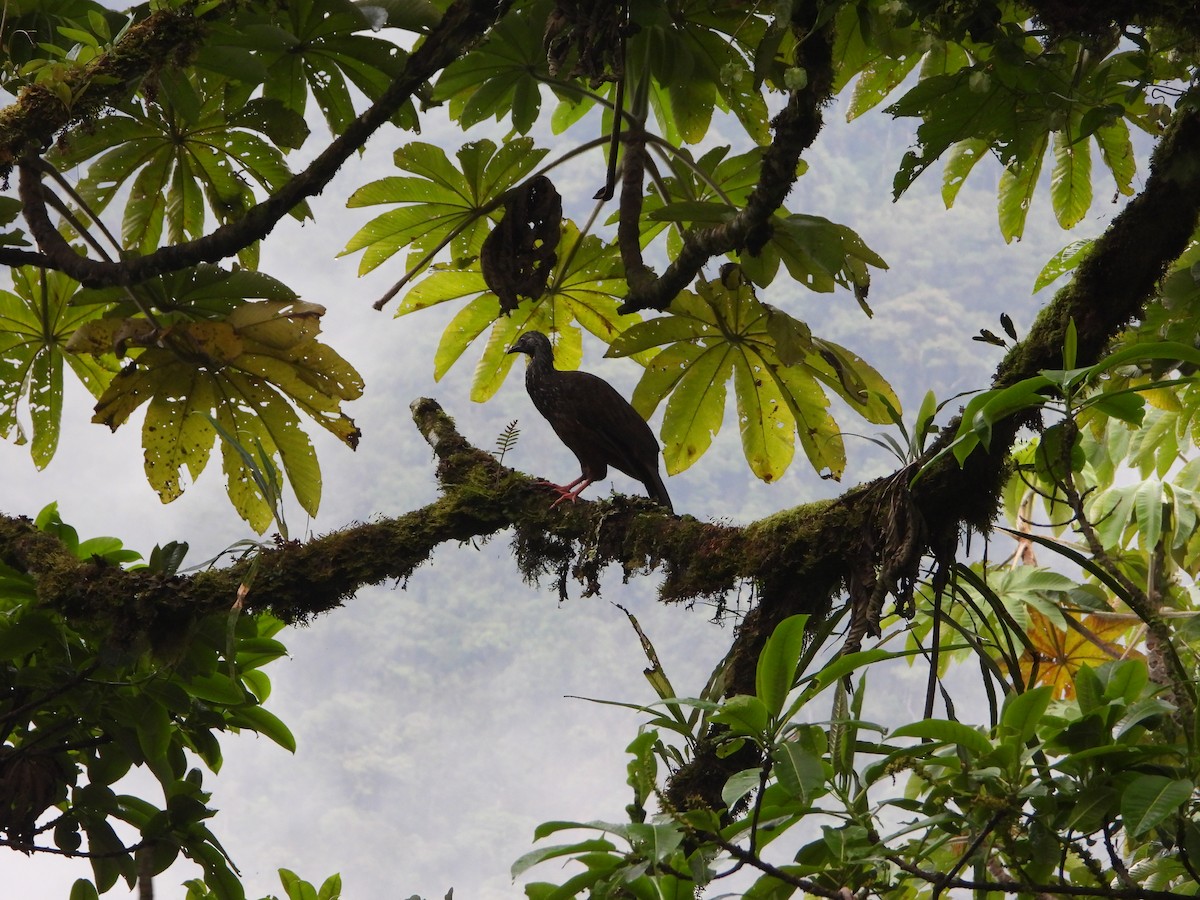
(568, 491)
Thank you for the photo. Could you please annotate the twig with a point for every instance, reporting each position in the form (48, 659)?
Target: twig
(1022, 887)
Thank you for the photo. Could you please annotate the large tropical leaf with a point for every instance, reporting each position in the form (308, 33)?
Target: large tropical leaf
(36, 323)
(778, 369)
(502, 76)
(179, 154)
(315, 47)
(248, 372)
(441, 204)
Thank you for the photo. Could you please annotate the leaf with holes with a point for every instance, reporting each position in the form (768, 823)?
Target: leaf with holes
(251, 371)
(36, 323)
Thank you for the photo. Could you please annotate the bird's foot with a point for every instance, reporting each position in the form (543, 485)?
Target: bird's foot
(565, 491)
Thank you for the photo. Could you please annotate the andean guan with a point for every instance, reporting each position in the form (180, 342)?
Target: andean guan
(595, 422)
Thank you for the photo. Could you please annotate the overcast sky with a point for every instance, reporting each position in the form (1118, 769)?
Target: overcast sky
(432, 718)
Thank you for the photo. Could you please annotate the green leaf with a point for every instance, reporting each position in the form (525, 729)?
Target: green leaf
(878, 79)
(739, 785)
(767, 425)
(776, 671)
(534, 857)
(947, 732)
(1151, 799)
(841, 666)
(1017, 187)
(497, 78)
(1116, 149)
(1071, 180)
(724, 330)
(265, 723)
(313, 47)
(696, 408)
(962, 159)
(216, 688)
(744, 715)
(1148, 505)
(331, 888)
(1070, 345)
(36, 324)
(1065, 260)
(821, 254)
(1023, 712)
(83, 889)
(799, 770)
(443, 204)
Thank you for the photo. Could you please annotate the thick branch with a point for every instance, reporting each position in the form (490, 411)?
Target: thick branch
(297, 581)
(1109, 289)
(464, 23)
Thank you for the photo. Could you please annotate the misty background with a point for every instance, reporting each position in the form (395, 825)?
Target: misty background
(433, 721)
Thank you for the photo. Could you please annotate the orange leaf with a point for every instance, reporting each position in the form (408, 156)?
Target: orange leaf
(1061, 652)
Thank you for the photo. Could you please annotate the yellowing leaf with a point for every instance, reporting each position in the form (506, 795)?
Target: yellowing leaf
(250, 372)
(696, 408)
(1062, 651)
(177, 431)
(767, 426)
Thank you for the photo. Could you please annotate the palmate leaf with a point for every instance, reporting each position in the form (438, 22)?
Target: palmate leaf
(1058, 102)
(442, 202)
(1062, 651)
(179, 154)
(315, 47)
(724, 331)
(584, 291)
(35, 324)
(249, 371)
(503, 75)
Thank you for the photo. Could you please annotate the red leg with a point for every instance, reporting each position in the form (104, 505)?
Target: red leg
(568, 491)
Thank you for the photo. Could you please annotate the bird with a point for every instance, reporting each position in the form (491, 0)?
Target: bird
(595, 422)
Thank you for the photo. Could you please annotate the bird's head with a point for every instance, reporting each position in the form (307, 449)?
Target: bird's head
(534, 343)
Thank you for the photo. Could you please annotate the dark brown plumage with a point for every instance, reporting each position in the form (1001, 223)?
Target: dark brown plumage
(595, 422)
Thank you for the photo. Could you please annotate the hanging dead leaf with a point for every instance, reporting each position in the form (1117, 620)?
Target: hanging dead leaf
(518, 257)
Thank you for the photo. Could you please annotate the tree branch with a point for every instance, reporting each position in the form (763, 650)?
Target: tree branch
(1021, 887)
(1110, 288)
(795, 127)
(28, 127)
(464, 23)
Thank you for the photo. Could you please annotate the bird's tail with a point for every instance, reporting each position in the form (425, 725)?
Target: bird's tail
(658, 491)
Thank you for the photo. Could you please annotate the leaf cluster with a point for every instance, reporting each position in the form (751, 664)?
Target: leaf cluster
(80, 712)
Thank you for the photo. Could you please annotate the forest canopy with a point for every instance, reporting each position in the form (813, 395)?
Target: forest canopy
(148, 155)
